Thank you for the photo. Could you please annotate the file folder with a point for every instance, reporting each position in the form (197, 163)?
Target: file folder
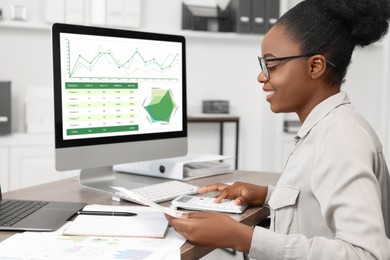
(255, 16)
(272, 13)
(259, 16)
(243, 16)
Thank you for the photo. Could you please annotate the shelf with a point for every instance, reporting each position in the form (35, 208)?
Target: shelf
(25, 25)
(220, 35)
(186, 33)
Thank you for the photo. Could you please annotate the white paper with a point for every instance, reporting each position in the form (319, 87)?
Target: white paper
(171, 212)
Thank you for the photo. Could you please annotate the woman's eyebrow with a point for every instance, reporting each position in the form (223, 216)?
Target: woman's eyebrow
(268, 55)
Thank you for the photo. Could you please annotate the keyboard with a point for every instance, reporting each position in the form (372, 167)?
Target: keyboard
(12, 211)
(161, 192)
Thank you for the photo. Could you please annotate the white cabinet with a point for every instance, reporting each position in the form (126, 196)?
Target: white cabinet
(32, 165)
(28, 159)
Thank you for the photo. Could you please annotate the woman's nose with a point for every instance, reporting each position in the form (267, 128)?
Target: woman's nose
(261, 77)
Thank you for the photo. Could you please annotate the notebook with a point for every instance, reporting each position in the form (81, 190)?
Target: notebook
(147, 223)
(29, 215)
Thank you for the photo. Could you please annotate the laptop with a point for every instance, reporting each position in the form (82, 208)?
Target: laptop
(30, 215)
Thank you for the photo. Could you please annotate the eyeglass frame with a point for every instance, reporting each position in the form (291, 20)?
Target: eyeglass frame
(263, 61)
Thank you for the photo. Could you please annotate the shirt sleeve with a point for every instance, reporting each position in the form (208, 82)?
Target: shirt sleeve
(269, 193)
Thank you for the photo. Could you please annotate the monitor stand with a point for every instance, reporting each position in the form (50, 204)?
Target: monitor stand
(103, 178)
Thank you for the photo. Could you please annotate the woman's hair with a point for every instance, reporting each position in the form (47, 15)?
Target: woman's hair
(334, 27)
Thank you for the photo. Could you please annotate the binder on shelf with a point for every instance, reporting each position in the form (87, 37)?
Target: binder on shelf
(259, 16)
(243, 17)
(188, 167)
(255, 16)
(206, 16)
(272, 8)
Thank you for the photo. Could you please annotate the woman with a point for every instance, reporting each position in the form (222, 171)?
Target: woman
(331, 201)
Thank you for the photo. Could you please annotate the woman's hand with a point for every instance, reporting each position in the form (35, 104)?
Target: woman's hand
(242, 193)
(213, 229)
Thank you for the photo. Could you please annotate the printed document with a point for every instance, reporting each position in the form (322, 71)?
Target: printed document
(53, 245)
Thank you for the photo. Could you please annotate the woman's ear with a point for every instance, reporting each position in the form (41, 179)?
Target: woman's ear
(317, 65)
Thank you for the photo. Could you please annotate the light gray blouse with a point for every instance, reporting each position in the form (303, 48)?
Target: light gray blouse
(332, 199)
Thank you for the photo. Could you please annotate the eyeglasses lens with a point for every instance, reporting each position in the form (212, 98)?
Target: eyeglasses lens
(264, 68)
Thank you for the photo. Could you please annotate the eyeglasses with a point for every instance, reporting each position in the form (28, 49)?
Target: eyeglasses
(263, 62)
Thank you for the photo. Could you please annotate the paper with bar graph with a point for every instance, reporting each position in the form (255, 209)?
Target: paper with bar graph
(49, 245)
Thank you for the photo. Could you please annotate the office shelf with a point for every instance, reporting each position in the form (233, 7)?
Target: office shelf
(220, 35)
(24, 25)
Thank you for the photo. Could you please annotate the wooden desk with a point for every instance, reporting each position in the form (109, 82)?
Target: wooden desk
(70, 190)
(221, 119)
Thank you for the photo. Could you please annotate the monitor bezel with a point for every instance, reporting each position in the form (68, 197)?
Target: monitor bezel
(59, 28)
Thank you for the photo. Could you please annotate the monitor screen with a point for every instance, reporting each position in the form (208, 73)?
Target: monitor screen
(120, 96)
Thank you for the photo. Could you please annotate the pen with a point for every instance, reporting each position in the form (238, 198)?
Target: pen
(107, 213)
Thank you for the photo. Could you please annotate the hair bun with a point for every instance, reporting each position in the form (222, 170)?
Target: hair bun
(366, 19)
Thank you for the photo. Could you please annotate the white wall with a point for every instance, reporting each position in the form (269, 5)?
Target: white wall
(218, 68)
(367, 84)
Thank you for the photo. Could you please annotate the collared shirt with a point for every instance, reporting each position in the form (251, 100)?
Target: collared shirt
(332, 199)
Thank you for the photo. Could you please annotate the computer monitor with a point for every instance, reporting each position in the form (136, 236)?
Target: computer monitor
(119, 97)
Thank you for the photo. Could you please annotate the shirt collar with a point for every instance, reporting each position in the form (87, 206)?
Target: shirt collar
(321, 111)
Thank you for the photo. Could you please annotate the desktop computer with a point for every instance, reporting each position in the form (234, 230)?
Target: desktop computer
(120, 96)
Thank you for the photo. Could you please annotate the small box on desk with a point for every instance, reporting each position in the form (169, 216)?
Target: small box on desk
(215, 107)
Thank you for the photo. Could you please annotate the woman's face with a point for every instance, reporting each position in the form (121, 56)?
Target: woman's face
(289, 87)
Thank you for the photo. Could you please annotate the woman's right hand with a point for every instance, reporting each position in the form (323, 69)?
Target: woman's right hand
(241, 192)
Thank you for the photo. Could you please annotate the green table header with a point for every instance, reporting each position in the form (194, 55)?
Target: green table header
(100, 85)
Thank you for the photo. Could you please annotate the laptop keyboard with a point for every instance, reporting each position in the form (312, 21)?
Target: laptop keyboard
(12, 211)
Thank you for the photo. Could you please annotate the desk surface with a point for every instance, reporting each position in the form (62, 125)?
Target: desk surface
(70, 190)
